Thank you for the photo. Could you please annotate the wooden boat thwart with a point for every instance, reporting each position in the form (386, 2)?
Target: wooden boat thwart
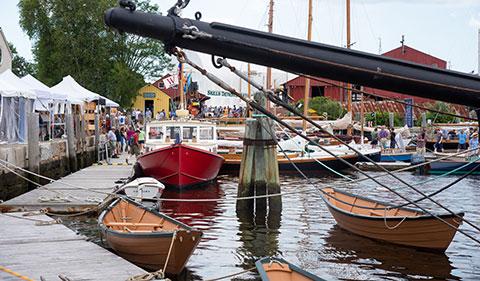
(147, 238)
(404, 226)
(276, 269)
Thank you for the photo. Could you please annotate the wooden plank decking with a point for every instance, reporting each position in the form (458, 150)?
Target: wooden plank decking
(95, 178)
(49, 250)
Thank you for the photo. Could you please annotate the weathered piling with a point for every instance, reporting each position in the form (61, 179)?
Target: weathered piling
(259, 167)
(424, 120)
(33, 147)
(97, 136)
(72, 154)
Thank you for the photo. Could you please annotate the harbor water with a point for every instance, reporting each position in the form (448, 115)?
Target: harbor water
(306, 233)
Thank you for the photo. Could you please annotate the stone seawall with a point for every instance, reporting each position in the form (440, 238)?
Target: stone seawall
(53, 164)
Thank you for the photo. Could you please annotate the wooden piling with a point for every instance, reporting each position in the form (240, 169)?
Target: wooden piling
(424, 120)
(97, 136)
(72, 154)
(33, 132)
(259, 167)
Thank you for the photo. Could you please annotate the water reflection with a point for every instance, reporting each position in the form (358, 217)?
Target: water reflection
(259, 225)
(394, 261)
(200, 215)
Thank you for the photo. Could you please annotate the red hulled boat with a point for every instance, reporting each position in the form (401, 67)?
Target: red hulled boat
(181, 165)
(193, 161)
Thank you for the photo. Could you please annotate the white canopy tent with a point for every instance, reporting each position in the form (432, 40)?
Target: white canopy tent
(78, 94)
(17, 102)
(47, 99)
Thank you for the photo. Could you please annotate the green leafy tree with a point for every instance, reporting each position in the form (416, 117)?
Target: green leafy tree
(70, 38)
(323, 105)
(380, 118)
(438, 117)
(20, 66)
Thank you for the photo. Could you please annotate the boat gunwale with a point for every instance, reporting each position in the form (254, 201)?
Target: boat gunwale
(424, 216)
(179, 145)
(263, 274)
(147, 234)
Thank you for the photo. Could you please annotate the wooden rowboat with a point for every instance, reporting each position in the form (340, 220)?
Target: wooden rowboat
(276, 269)
(147, 238)
(381, 221)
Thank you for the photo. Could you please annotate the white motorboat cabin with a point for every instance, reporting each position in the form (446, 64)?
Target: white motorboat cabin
(195, 133)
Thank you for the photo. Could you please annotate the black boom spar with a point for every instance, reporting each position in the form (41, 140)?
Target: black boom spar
(300, 56)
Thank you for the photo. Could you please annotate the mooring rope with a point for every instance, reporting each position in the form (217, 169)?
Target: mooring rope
(183, 59)
(16, 274)
(232, 275)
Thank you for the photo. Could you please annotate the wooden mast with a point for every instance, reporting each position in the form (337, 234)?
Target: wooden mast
(362, 118)
(180, 87)
(269, 69)
(307, 80)
(349, 92)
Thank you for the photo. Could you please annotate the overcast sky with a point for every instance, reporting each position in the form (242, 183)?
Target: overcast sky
(447, 29)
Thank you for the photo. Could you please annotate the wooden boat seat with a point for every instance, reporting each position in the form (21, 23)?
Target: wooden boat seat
(141, 231)
(134, 224)
(277, 267)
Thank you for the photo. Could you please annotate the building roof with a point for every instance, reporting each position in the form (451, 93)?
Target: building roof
(410, 54)
(6, 42)
(171, 92)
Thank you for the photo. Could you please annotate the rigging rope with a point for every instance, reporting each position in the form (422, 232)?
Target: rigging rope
(277, 101)
(387, 98)
(183, 59)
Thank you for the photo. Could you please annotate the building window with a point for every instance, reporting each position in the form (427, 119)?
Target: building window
(356, 95)
(318, 91)
(161, 85)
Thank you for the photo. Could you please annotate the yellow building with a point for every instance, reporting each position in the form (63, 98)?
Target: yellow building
(151, 97)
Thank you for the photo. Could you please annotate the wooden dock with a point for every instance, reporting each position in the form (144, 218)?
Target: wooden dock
(79, 191)
(47, 251)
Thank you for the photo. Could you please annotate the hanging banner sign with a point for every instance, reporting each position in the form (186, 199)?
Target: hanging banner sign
(409, 112)
(170, 81)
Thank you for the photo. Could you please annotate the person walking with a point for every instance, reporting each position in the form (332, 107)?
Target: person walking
(421, 142)
(393, 142)
(438, 141)
(383, 136)
(473, 145)
(112, 142)
(374, 135)
(141, 139)
(462, 140)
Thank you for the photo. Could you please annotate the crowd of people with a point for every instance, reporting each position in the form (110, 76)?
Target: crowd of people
(463, 136)
(225, 111)
(387, 139)
(125, 132)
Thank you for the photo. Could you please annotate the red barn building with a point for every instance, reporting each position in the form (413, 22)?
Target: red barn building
(172, 92)
(296, 86)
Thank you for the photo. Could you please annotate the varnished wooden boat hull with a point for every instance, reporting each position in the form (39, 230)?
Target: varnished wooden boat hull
(148, 249)
(308, 166)
(151, 252)
(404, 228)
(276, 269)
